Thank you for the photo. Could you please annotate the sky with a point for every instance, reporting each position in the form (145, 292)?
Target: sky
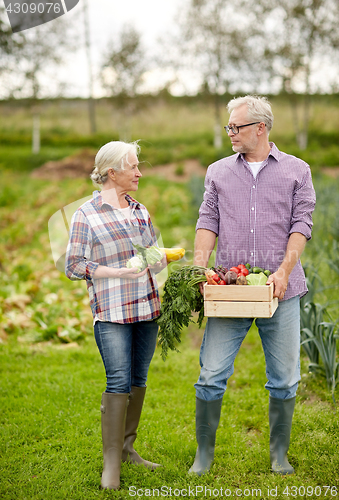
(152, 18)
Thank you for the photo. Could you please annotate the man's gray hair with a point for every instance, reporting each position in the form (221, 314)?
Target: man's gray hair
(113, 155)
(258, 109)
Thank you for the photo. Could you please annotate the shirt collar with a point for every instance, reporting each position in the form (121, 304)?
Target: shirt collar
(99, 201)
(273, 152)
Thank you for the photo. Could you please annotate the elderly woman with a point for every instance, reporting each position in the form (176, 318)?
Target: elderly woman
(124, 302)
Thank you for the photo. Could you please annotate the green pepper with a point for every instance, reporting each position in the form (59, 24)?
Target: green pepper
(267, 272)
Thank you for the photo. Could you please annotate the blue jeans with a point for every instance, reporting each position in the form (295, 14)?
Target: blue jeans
(126, 351)
(280, 338)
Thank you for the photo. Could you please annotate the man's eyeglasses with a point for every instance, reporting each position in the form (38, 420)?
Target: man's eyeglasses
(235, 128)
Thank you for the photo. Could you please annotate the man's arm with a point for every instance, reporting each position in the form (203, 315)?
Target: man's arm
(294, 249)
(203, 246)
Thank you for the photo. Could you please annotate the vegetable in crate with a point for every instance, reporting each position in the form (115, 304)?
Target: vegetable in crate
(181, 297)
(256, 279)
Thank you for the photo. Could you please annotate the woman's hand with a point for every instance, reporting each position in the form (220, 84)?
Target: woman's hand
(131, 273)
(159, 266)
(118, 272)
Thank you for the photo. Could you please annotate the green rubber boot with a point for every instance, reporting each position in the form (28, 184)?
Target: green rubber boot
(280, 419)
(207, 421)
(136, 401)
(113, 415)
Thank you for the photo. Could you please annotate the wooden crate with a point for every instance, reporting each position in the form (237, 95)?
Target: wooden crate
(239, 301)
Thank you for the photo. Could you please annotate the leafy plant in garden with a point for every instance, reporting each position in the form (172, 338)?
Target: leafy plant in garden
(317, 335)
(333, 261)
(324, 338)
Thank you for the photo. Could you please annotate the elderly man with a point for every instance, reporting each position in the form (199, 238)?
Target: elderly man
(259, 204)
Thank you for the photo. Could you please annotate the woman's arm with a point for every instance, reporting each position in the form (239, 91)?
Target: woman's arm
(78, 264)
(120, 272)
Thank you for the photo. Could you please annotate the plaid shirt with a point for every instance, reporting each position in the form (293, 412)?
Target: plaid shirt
(253, 218)
(100, 235)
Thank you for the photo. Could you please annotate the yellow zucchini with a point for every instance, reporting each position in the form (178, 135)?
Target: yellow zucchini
(173, 254)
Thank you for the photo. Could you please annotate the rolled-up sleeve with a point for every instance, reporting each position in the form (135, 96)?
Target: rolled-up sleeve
(78, 265)
(209, 209)
(304, 199)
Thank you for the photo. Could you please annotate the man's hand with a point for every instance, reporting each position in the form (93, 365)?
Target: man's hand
(280, 280)
(295, 247)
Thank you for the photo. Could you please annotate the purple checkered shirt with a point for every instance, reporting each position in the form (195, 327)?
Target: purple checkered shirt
(100, 235)
(253, 218)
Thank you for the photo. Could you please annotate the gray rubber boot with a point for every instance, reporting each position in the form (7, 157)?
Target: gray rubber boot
(280, 419)
(136, 401)
(207, 420)
(113, 415)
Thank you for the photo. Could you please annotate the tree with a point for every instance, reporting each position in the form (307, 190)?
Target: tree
(123, 67)
(91, 102)
(298, 36)
(33, 64)
(9, 45)
(215, 39)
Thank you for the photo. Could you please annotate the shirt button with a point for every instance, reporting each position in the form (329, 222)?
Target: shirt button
(251, 230)
(251, 254)
(252, 208)
(253, 187)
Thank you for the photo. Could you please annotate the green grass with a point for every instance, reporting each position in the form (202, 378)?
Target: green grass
(50, 425)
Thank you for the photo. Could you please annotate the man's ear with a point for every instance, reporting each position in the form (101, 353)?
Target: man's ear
(261, 128)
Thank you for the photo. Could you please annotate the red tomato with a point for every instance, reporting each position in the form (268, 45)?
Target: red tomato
(216, 277)
(244, 272)
(241, 266)
(235, 269)
(222, 282)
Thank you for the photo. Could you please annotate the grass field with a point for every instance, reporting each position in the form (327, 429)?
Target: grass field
(52, 377)
(50, 432)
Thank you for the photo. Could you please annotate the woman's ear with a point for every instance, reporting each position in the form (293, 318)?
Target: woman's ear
(111, 173)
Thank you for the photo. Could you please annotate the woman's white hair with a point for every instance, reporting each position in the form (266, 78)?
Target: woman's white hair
(258, 109)
(114, 155)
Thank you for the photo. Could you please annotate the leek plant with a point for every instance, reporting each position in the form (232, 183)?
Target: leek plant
(324, 338)
(319, 337)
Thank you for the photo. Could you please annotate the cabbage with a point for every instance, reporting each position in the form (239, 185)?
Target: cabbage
(256, 279)
(137, 261)
(153, 255)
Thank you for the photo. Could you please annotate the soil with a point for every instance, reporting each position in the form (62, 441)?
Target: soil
(81, 166)
(331, 171)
